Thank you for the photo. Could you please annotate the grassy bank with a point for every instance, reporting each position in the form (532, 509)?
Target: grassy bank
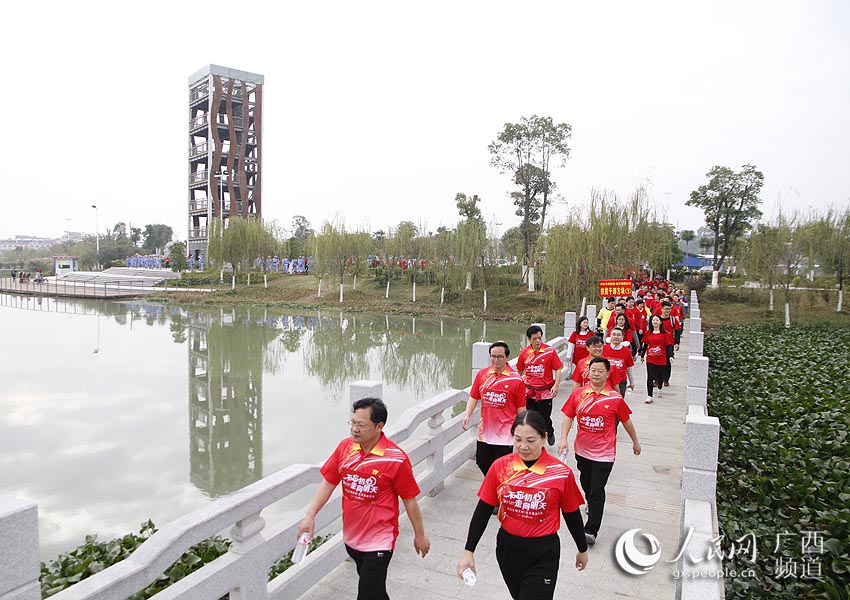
(506, 302)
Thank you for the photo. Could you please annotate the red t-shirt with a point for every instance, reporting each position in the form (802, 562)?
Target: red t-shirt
(621, 359)
(538, 366)
(580, 373)
(502, 398)
(371, 486)
(579, 341)
(596, 427)
(530, 499)
(656, 347)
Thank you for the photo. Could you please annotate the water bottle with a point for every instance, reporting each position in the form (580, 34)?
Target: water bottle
(563, 457)
(469, 577)
(301, 548)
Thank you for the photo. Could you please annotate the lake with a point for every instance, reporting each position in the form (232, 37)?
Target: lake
(116, 412)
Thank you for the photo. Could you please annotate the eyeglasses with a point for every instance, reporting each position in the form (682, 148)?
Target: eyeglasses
(355, 426)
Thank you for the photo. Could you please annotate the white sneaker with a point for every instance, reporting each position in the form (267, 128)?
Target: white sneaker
(659, 392)
(648, 400)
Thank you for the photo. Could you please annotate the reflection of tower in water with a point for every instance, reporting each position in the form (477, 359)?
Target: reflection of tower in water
(226, 400)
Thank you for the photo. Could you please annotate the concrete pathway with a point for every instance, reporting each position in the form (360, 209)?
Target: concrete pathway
(643, 492)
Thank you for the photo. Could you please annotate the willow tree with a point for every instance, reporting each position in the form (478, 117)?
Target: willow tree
(832, 243)
(471, 238)
(610, 239)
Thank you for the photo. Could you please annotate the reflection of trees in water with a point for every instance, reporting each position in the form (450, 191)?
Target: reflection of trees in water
(338, 352)
(421, 354)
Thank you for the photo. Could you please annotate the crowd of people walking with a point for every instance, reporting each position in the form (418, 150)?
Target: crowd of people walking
(526, 486)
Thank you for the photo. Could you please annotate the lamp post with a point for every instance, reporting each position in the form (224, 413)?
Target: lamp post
(68, 235)
(96, 236)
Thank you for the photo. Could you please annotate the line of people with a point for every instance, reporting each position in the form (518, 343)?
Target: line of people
(526, 486)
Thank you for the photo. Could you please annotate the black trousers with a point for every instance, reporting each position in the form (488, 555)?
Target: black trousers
(544, 407)
(372, 569)
(654, 377)
(486, 454)
(529, 566)
(593, 477)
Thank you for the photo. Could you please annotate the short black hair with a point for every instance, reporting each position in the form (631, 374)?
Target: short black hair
(377, 408)
(502, 344)
(532, 330)
(611, 300)
(593, 340)
(600, 359)
(621, 304)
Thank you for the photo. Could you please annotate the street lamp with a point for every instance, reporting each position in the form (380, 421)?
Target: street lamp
(97, 235)
(68, 234)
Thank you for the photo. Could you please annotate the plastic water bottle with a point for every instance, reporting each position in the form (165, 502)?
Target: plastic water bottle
(563, 457)
(469, 577)
(301, 548)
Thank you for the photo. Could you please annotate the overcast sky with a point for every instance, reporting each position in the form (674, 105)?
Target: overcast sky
(382, 111)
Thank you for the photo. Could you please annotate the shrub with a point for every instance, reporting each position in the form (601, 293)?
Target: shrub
(784, 454)
(94, 556)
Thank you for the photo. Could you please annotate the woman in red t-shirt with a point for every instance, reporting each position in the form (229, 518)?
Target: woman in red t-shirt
(656, 347)
(578, 340)
(531, 489)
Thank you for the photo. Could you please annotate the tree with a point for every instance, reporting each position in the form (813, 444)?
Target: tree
(177, 254)
(471, 236)
(156, 237)
(730, 203)
(832, 243)
(526, 151)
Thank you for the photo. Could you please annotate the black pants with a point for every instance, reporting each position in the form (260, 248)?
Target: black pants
(654, 377)
(594, 476)
(529, 566)
(372, 569)
(623, 385)
(486, 454)
(544, 407)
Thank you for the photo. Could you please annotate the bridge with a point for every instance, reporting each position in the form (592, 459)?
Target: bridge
(668, 492)
(115, 282)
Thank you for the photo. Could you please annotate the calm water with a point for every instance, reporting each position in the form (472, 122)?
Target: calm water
(116, 412)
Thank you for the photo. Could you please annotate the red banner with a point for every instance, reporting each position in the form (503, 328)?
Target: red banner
(615, 287)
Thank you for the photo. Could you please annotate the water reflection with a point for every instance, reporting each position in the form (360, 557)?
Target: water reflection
(264, 389)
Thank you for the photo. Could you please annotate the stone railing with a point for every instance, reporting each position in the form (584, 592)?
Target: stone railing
(244, 569)
(698, 524)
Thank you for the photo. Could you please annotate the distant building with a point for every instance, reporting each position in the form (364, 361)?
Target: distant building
(35, 243)
(225, 150)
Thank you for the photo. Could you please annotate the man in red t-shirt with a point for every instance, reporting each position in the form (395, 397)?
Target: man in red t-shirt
(619, 354)
(374, 473)
(502, 394)
(539, 365)
(580, 373)
(596, 408)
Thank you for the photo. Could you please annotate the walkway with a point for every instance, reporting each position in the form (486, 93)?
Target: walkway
(643, 492)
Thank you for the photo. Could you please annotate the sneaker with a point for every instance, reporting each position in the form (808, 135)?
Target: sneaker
(660, 393)
(648, 400)
(551, 438)
(590, 537)
(666, 384)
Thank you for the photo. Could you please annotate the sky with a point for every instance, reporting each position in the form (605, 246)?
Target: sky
(378, 112)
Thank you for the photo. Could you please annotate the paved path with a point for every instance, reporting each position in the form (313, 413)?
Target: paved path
(643, 492)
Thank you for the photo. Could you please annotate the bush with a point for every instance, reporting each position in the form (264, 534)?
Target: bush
(784, 454)
(93, 556)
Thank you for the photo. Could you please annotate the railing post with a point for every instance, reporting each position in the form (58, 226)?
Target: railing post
(697, 381)
(569, 324)
(19, 561)
(480, 357)
(696, 343)
(591, 316)
(365, 389)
